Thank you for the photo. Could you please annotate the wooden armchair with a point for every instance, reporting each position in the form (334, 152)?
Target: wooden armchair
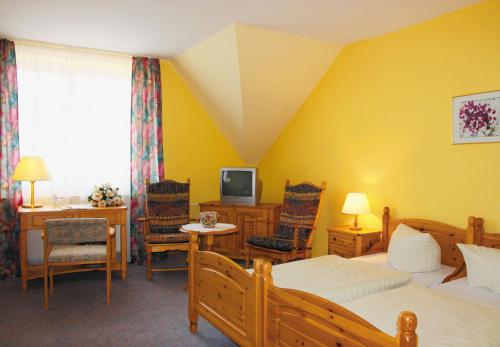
(70, 243)
(166, 210)
(294, 233)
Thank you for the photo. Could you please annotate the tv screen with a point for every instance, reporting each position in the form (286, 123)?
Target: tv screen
(237, 183)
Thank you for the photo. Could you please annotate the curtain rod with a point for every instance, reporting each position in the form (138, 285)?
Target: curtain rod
(76, 48)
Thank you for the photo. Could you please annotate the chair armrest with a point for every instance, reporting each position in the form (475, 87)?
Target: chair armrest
(296, 228)
(142, 219)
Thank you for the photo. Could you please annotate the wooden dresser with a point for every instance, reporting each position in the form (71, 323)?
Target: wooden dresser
(349, 243)
(234, 245)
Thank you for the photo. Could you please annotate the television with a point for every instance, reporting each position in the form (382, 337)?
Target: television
(239, 186)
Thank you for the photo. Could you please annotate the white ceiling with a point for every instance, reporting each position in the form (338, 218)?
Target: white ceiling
(165, 28)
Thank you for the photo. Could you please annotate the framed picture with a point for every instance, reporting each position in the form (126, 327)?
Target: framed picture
(476, 118)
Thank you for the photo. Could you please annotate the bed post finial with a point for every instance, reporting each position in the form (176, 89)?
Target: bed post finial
(478, 230)
(385, 227)
(470, 233)
(407, 324)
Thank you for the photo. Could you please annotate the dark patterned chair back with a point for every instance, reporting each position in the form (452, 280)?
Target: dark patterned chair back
(167, 206)
(76, 230)
(300, 206)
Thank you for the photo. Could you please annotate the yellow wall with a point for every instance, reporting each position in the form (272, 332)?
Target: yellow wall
(380, 122)
(192, 144)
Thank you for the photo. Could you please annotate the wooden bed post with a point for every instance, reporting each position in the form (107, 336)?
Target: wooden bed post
(407, 324)
(267, 282)
(385, 227)
(470, 232)
(192, 314)
(478, 230)
(262, 271)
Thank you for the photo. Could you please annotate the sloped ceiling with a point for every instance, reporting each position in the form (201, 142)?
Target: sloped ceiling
(252, 81)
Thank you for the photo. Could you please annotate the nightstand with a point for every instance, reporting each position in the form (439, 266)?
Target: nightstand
(349, 243)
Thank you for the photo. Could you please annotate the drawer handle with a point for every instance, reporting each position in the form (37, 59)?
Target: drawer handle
(334, 239)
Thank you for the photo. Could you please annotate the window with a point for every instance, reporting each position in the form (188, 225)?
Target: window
(74, 111)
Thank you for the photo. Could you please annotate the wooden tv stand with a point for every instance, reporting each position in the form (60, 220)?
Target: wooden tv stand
(234, 245)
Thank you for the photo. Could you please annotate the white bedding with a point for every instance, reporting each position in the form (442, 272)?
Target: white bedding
(443, 319)
(463, 290)
(427, 279)
(337, 279)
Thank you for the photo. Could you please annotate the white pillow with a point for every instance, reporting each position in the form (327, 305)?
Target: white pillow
(413, 251)
(483, 266)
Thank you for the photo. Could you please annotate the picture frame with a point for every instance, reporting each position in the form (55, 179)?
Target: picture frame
(476, 118)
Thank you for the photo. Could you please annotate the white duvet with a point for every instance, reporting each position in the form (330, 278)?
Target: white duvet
(443, 319)
(337, 279)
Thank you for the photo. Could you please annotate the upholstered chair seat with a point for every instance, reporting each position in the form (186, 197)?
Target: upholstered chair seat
(77, 253)
(166, 238)
(275, 242)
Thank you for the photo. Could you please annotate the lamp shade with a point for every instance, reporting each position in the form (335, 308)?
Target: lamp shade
(356, 203)
(31, 169)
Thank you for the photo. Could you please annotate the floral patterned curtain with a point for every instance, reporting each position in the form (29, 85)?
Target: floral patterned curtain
(10, 192)
(146, 144)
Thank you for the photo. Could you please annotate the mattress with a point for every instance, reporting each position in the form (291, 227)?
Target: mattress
(426, 279)
(443, 319)
(462, 289)
(337, 279)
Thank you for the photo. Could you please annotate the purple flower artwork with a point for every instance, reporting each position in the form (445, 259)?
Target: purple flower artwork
(475, 118)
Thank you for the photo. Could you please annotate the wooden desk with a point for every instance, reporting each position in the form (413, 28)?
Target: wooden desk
(34, 219)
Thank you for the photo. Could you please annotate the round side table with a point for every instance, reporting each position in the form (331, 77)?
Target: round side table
(209, 233)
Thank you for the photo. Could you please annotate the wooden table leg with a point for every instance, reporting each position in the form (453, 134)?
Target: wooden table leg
(23, 246)
(123, 238)
(210, 242)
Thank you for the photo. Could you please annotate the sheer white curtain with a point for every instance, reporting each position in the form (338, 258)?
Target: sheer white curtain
(74, 111)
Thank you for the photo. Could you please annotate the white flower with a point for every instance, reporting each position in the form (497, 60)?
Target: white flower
(101, 203)
(97, 196)
(117, 201)
(106, 185)
(109, 193)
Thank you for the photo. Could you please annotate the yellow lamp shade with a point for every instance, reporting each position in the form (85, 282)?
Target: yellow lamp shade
(31, 169)
(356, 203)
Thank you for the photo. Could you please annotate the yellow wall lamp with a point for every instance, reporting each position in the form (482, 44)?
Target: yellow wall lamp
(31, 169)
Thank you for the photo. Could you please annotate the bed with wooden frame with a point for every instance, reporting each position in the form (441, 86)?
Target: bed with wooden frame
(251, 311)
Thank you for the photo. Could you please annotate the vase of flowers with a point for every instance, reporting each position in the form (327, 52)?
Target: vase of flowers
(105, 195)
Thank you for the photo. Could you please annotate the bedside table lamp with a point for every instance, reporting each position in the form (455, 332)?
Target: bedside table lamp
(356, 204)
(31, 169)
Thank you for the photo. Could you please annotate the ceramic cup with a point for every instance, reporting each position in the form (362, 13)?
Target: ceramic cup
(208, 218)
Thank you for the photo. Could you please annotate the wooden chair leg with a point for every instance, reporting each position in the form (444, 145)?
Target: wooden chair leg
(247, 257)
(149, 261)
(46, 286)
(51, 272)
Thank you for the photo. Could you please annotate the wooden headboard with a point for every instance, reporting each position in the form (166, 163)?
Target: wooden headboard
(446, 235)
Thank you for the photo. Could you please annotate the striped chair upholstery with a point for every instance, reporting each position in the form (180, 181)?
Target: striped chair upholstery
(167, 211)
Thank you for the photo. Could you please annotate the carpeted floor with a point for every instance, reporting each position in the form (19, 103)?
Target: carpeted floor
(142, 313)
